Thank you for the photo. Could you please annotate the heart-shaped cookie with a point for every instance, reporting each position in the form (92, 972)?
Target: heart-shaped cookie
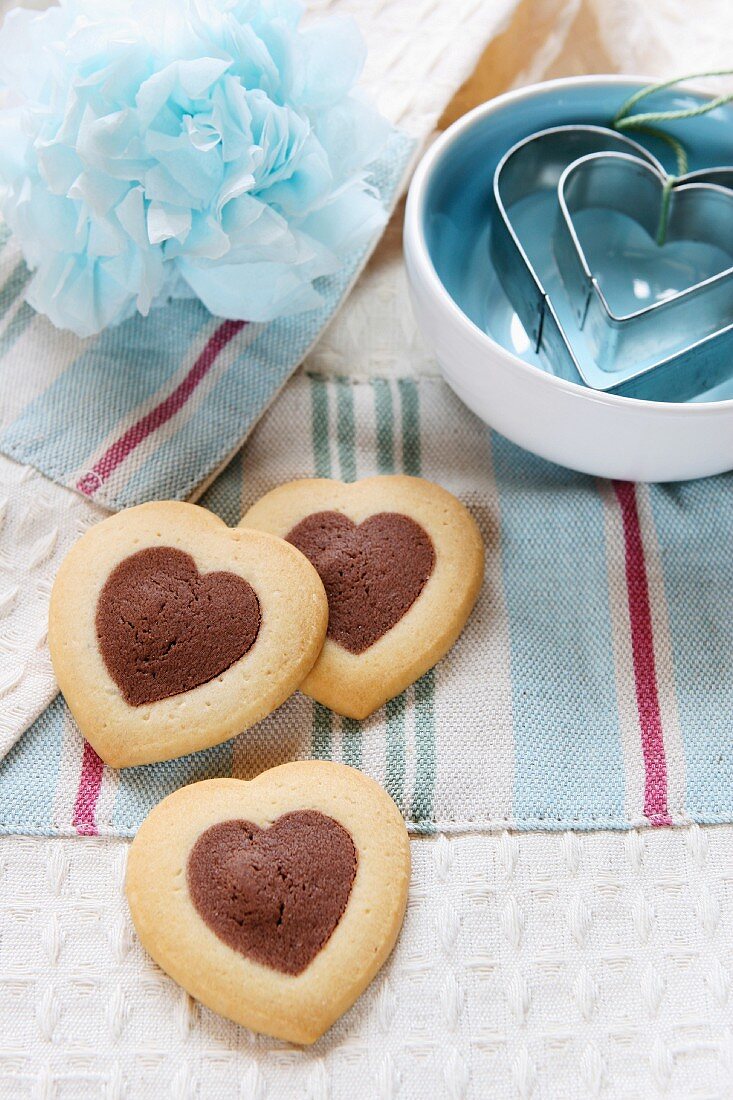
(274, 901)
(402, 563)
(372, 571)
(292, 880)
(170, 632)
(164, 628)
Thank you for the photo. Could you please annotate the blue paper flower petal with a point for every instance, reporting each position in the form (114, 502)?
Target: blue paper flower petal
(210, 149)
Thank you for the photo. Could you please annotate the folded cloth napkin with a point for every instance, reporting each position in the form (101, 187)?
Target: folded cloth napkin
(592, 687)
(167, 398)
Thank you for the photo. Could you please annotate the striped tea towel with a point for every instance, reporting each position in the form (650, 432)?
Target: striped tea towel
(592, 687)
(151, 408)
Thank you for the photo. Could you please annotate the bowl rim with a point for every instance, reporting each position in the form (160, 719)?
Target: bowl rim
(416, 244)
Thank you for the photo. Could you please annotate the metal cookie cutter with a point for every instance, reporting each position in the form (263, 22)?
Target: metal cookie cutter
(575, 326)
(631, 343)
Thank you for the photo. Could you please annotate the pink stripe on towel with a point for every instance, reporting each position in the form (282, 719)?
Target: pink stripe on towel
(161, 413)
(90, 784)
(642, 645)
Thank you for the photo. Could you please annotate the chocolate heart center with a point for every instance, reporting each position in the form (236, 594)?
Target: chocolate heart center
(164, 628)
(276, 894)
(372, 573)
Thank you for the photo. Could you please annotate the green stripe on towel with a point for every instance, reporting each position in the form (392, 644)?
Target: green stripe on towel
(319, 422)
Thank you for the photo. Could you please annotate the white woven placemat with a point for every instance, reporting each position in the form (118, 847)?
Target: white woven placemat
(533, 966)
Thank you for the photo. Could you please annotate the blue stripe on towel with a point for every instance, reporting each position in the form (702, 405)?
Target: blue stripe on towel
(699, 590)
(563, 678)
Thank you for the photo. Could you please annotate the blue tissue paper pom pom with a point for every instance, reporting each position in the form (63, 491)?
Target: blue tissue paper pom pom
(152, 149)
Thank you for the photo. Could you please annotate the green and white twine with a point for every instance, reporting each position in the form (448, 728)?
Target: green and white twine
(647, 122)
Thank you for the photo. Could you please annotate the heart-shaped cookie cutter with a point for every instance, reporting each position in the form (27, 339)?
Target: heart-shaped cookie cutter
(698, 211)
(539, 163)
(536, 164)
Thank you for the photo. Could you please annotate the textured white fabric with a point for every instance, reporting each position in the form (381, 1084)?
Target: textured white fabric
(375, 334)
(530, 966)
(39, 522)
(420, 51)
(667, 37)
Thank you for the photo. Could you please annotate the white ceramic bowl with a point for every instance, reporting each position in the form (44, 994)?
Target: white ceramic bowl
(597, 433)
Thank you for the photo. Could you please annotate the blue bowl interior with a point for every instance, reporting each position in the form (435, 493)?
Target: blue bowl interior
(459, 208)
